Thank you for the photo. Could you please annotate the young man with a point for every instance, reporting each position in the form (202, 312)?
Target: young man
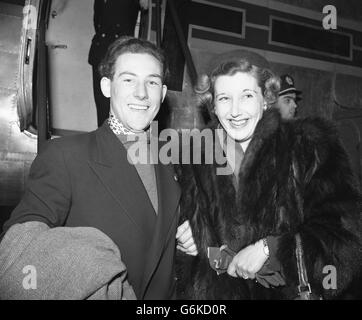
(288, 97)
(87, 181)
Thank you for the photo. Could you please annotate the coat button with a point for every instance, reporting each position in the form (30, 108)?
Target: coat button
(103, 35)
(116, 36)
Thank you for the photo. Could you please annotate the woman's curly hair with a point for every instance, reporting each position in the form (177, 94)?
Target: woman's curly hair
(267, 81)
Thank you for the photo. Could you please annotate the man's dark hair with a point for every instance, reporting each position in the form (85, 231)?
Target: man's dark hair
(128, 44)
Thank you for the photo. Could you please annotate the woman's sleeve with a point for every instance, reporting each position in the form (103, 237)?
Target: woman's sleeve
(188, 189)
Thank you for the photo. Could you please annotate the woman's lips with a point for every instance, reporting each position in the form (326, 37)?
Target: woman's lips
(238, 123)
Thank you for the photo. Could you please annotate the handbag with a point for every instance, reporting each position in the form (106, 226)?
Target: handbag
(304, 288)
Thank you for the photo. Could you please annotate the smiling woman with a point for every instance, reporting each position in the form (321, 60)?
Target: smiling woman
(239, 105)
(242, 92)
(291, 179)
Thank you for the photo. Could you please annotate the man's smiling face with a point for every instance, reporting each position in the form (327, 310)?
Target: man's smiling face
(136, 90)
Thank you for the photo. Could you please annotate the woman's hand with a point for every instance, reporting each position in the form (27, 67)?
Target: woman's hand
(185, 240)
(248, 261)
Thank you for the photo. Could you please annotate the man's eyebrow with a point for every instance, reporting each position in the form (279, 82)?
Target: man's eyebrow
(129, 73)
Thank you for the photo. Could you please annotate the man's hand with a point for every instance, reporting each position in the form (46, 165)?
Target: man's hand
(185, 240)
(248, 261)
(144, 4)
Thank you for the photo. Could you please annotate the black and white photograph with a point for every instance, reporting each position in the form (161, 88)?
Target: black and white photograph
(181, 150)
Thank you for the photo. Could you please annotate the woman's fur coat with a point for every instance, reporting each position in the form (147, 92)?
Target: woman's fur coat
(295, 177)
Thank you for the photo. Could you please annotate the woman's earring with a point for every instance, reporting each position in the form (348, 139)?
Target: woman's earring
(265, 107)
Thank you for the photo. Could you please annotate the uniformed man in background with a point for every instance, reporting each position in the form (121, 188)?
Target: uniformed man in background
(112, 19)
(289, 96)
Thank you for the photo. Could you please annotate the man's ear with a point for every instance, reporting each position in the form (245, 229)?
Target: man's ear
(164, 91)
(106, 87)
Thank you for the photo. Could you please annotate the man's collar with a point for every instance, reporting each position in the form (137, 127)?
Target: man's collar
(117, 126)
(125, 134)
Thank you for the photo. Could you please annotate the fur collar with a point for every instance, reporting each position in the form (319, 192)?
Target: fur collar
(266, 127)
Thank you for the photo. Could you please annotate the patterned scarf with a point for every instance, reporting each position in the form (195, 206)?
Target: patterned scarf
(120, 130)
(117, 126)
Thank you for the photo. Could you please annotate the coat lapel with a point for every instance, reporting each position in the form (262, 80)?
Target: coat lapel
(265, 128)
(121, 180)
(168, 200)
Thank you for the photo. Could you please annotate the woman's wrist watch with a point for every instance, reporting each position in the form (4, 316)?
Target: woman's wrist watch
(265, 247)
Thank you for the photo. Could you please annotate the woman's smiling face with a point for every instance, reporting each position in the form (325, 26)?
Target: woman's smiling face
(239, 104)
